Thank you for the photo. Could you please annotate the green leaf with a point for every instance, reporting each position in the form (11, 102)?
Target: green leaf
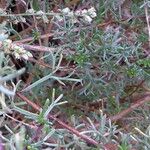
(35, 5)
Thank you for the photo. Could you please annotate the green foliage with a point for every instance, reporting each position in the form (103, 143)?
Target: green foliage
(35, 34)
(85, 63)
(145, 62)
(132, 71)
(35, 5)
(80, 59)
(123, 147)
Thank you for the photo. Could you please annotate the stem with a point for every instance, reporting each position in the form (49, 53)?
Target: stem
(71, 129)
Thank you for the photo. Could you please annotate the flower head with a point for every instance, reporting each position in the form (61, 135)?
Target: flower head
(17, 51)
(92, 12)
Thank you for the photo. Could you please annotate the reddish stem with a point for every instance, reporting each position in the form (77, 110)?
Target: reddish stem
(72, 130)
(139, 102)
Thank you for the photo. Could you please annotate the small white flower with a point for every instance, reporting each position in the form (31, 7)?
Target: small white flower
(65, 11)
(92, 9)
(59, 18)
(16, 55)
(93, 15)
(87, 18)
(30, 11)
(29, 54)
(78, 13)
(92, 12)
(16, 50)
(70, 14)
(25, 56)
(40, 12)
(7, 45)
(87, 15)
(7, 41)
(84, 12)
(22, 50)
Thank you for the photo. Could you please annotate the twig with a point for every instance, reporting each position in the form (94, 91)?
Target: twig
(51, 34)
(72, 130)
(28, 14)
(140, 102)
(36, 48)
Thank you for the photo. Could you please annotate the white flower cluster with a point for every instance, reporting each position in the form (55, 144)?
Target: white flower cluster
(17, 51)
(86, 14)
(38, 14)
